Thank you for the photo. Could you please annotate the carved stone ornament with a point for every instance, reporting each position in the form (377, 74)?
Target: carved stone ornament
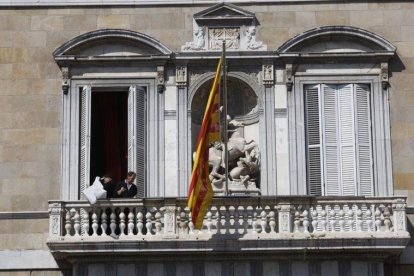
(170, 220)
(289, 77)
(243, 161)
(199, 41)
(251, 42)
(384, 75)
(268, 74)
(160, 75)
(181, 75)
(230, 35)
(65, 80)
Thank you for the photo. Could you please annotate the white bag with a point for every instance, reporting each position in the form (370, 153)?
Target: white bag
(95, 191)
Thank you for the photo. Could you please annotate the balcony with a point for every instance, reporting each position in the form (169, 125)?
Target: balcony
(249, 226)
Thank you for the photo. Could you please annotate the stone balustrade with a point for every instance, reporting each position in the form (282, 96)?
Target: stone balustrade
(241, 218)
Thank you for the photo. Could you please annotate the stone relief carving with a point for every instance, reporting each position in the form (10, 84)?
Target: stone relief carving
(251, 42)
(217, 35)
(243, 161)
(181, 75)
(199, 41)
(268, 75)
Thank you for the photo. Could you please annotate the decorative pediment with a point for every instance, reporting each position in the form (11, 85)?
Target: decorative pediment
(224, 12)
(337, 40)
(224, 22)
(110, 43)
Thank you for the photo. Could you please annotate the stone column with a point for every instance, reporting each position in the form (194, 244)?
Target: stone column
(267, 132)
(184, 156)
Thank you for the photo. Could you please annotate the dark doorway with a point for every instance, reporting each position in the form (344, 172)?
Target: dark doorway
(109, 134)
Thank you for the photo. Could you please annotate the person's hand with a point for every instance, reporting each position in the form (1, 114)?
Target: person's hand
(120, 191)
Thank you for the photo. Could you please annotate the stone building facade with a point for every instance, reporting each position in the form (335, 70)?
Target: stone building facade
(306, 79)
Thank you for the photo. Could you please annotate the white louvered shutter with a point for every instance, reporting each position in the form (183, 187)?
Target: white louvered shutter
(346, 139)
(313, 140)
(85, 137)
(137, 135)
(363, 140)
(330, 140)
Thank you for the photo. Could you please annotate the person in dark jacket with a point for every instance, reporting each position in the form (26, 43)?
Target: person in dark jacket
(126, 188)
(108, 184)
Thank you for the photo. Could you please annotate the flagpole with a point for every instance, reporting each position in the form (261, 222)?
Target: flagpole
(225, 134)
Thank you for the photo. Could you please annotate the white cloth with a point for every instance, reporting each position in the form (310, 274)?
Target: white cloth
(95, 191)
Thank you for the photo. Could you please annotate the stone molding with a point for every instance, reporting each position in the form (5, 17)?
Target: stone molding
(317, 33)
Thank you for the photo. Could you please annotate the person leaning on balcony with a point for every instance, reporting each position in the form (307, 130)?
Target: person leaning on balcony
(126, 188)
(108, 184)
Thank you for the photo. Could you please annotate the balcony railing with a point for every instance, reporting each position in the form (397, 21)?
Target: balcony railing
(251, 217)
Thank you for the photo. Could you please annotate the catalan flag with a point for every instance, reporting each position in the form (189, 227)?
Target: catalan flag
(201, 191)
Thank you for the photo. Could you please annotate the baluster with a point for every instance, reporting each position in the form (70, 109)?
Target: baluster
(158, 225)
(358, 223)
(254, 221)
(305, 214)
(113, 223)
(332, 219)
(130, 223)
(148, 225)
(263, 221)
(377, 219)
(341, 220)
(387, 219)
(183, 223)
(86, 223)
(140, 223)
(68, 224)
(231, 222)
(369, 220)
(122, 223)
(214, 219)
(296, 222)
(94, 224)
(249, 214)
(104, 222)
(314, 217)
(208, 222)
(241, 222)
(190, 225)
(323, 220)
(223, 221)
(76, 223)
(351, 220)
(272, 222)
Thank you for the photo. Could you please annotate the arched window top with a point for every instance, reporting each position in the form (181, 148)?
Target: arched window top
(110, 43)
(337, 39)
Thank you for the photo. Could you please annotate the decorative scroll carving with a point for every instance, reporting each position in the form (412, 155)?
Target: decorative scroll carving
(65, 80)
(181, 75)
(268, 74)
(251, 42)
(198, 43)
(384, 75)
(217, 35)
(289, 77)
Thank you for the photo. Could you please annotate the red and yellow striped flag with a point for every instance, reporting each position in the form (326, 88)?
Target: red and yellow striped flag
(201, 191)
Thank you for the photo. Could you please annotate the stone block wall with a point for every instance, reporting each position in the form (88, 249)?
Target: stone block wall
(30, 92)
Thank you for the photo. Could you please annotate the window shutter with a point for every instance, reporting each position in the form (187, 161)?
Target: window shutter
(313, 140)
(330, 140)
(137, 136)
(85, 137)
(347, 140)
(363, 139)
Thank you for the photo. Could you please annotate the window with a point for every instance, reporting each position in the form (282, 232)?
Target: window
(112, 133)
(338, 139)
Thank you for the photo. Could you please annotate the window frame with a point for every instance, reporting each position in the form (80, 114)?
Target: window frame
(380, 124)
(72, 186)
